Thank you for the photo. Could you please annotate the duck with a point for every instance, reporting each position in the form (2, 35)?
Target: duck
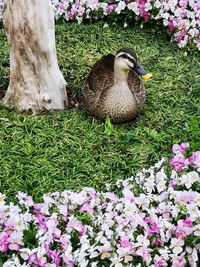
(113, 88)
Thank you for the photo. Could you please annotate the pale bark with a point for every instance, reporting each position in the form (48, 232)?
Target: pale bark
(36, 81)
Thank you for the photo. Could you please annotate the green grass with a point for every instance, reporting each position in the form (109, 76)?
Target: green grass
(68, 150)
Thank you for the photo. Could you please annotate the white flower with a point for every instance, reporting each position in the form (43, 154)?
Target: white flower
(9, 263)
(125, 25)
(116, 261)
(194, 257)
(189, 179)
(121, 6)
(130, 208)
(134, 7)
(161, 186)
(165, 252)
(143, 201)
(177, 245)
(14, 262)
(175, 211)
(148, 6)
(194, 176)
(193, 211)
(161, 176)
(25, 253)
(149, 185)
(197, 230)
(55, 2)
(83, 263)
(142, 241)
(173, 4)
(158, 4)
(159, 164)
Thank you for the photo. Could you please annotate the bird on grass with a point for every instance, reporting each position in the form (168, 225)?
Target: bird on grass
(113, 88)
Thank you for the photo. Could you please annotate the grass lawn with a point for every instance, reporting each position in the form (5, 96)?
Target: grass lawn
(68, 150)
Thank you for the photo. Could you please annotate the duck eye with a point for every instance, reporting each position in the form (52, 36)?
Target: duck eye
(127, 57)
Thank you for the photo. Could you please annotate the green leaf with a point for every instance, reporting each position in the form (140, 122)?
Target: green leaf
(108, 126)
(182, 208)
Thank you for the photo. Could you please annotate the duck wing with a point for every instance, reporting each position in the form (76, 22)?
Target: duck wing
(137, 88)
(100, 79)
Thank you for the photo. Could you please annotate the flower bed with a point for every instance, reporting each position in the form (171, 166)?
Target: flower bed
(153, 219)
(181, 18)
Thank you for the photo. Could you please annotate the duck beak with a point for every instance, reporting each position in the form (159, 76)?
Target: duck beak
(146, 75)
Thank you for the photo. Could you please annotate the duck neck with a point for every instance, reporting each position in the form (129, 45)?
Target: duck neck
(120, 76)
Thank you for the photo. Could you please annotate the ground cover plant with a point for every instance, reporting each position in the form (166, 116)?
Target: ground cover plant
(66, 149)
(152, 220)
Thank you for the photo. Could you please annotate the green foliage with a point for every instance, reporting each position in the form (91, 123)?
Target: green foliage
(84, 218)
(108, 126)
(30, 237)
(68, 150)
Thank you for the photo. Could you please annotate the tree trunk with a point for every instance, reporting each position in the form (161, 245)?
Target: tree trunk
(36, 81)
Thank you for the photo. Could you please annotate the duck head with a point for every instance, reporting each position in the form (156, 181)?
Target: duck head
(126, 59)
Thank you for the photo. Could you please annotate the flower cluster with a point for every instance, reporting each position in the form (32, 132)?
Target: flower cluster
(153, 220)
(180, 17)
(180, 162)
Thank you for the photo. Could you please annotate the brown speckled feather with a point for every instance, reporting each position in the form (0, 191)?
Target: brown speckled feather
(100, 79)
(137, 88)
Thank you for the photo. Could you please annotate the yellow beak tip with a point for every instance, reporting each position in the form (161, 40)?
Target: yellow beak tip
(147, 77)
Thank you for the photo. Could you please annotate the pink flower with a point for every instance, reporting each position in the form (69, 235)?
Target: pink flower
(157, 242)
(9, 226)
(40, 219)
(55, 256)
(146, 15)
(172, 25)
(37, 207)
(178, 163)
(183, 3)
(111, 196)
(34, 259)
(75, 224)
(183, 232)
(145, 254)
(160, 262)
(4, 242)
(125, 243)
(63, 210)
(110, 8)
(180, 148)
(179, 261)
(88, 208)
(195, 159)
(154, 229)
(178, 264)
(165, 209)
(184, 228)
(185, 197)
(181, 35)
(74, 8)
(70, 262)
(15, 241)
(187, 222)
